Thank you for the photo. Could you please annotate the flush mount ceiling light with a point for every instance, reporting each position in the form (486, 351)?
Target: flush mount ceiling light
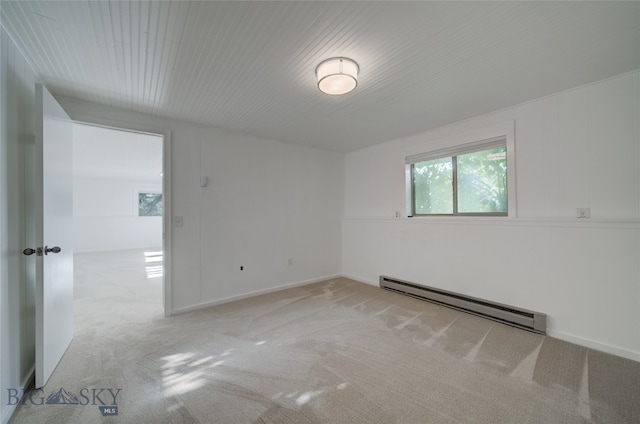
(337, 75)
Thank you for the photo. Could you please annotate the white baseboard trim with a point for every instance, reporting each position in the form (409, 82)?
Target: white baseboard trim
(10, 409)
(251, 294)
(361, 280)
(30, 378)
(7, 412)
(595, 345)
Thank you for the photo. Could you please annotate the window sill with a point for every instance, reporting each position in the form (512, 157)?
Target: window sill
(501, 221)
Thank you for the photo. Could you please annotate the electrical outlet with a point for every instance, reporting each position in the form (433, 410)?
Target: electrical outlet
(583, 213)
(290, 262)
(397, 214)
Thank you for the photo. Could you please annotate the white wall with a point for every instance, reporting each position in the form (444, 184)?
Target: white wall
(110, 167)
(579, 148)
(17, 300)
(111, 221)
(266, 202)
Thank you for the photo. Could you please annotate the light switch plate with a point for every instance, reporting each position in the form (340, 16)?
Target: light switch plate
(178, 221)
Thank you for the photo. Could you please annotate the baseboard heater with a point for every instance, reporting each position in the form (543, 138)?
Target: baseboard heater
(521, 318)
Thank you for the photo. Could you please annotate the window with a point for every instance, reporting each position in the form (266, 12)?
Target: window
(149, 204)
(470, 180)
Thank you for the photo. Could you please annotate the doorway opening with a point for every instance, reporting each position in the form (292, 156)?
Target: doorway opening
(119, 220)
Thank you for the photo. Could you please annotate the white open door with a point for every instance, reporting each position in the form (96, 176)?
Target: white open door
(54, 234)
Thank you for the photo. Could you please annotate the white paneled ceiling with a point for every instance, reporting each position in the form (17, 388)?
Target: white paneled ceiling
(249, 66)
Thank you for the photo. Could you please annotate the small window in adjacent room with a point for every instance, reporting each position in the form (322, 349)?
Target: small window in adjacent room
(469, 180)
(149, 204)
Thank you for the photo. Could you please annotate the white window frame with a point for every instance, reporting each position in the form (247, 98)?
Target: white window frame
(136, 197)
(460, 144)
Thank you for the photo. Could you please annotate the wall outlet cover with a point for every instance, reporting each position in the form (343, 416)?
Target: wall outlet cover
(583, 213)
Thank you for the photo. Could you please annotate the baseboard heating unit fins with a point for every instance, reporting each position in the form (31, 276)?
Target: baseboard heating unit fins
(510, 315)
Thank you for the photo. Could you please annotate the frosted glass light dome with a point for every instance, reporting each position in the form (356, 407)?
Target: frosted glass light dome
(337, 75)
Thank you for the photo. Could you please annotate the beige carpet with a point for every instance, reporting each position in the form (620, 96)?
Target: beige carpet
(332, 352)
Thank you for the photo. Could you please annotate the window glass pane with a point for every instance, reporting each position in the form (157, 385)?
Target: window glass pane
(433, 186)
(150, 204)
(482, 181)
